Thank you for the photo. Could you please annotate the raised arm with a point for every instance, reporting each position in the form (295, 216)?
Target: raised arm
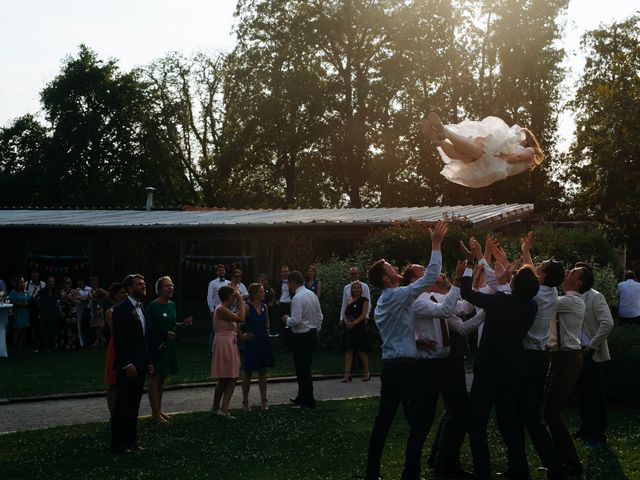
(432, 271)
(525, 245)
(426, 306)
(466, 328)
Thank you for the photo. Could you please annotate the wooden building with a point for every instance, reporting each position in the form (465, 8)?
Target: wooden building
(187, 244)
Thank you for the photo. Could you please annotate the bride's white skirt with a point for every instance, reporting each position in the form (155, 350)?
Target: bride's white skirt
(498, 137)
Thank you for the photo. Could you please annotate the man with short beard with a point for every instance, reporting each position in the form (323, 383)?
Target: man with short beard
(132, 364)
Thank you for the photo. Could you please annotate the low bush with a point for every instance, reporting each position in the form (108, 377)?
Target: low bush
(622, 374)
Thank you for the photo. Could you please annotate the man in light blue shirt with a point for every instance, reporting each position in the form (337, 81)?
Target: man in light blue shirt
(399, 376)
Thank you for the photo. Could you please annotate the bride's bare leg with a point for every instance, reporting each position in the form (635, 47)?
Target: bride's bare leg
(466, 147)
(452, 152)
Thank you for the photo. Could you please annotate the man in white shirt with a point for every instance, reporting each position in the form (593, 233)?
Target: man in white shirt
(596, 327)
(629, 294)
(213, 299)
(434, 316)
(305, 322)
(400, 373)
(565, 363)
(354, 274)
(551, 274)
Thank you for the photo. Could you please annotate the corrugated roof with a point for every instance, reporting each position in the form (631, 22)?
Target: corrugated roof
(477, 215)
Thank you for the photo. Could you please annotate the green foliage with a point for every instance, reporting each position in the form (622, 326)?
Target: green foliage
(622, 374)
(603, 161)
(567, 246)
(333, 274)
(402, 244)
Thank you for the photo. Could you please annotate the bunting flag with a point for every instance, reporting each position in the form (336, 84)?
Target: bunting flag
(199, 266)
(59, 269)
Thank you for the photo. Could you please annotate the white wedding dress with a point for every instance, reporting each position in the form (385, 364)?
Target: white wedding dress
(498, 138)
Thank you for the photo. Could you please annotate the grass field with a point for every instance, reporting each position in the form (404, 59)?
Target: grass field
(34, 374)
(282, 443)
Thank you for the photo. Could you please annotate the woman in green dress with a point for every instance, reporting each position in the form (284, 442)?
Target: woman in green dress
(161, 322)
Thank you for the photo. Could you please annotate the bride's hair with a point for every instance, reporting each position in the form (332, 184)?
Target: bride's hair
(533, 143)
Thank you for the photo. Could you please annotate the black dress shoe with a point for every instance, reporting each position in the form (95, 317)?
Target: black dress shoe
(295, 401)
(137, 448)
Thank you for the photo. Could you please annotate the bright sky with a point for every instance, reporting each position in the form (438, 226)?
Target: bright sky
(37, 34)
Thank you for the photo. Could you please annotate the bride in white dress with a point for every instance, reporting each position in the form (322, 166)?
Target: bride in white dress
(478, 154)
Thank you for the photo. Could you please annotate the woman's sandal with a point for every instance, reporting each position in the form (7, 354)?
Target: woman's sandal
(347, 378)
(366, 377)
(263, 404)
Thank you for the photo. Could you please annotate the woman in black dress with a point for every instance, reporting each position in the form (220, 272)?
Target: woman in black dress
(356, 336)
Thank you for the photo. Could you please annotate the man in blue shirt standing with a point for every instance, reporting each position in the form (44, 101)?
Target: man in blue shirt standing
(399, 375)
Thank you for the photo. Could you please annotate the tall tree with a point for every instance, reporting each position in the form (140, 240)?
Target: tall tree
(186, 96)
(604, 164)
(24, 179)
(105, 145)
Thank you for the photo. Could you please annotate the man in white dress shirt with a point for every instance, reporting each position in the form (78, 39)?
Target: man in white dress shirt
(629, 294)
(213, 299)
(565, 364)
(84, 295)
(305, 322)
(434, 316)
(596, 327)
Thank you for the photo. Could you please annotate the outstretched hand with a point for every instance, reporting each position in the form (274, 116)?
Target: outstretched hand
(437, 234)
(465, 251)
(476, 249)
(505, 273)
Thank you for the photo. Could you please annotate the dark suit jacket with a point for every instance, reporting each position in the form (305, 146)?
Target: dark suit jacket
(128, 338)
(508, 320)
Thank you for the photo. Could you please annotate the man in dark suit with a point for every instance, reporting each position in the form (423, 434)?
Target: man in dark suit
(132, 364)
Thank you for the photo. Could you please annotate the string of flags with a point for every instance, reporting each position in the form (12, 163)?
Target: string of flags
(44, 267)
(200, 266)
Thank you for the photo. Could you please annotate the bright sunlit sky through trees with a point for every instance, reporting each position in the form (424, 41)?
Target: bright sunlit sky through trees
(37, 34)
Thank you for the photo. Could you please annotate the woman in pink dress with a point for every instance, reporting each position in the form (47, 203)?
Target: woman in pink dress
(225, 358)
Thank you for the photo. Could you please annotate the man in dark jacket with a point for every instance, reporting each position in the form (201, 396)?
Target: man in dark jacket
(132, 364)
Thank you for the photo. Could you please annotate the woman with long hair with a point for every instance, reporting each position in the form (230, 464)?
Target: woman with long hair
(311, 282)
(225, 358)
(257, 356)
(478, 154)
(356, 336)
(162, 322)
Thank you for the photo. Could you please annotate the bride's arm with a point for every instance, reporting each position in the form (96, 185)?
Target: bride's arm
(525, 156)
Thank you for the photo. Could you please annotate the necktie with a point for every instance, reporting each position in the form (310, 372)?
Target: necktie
(446, 342)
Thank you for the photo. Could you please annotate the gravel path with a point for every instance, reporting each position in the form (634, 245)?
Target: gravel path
(51, 413)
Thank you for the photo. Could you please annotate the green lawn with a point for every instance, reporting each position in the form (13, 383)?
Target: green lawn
(283, 443)
(33, 374)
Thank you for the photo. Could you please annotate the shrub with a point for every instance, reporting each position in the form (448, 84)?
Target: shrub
(622, 375)
(410, 243)
(334, 275)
